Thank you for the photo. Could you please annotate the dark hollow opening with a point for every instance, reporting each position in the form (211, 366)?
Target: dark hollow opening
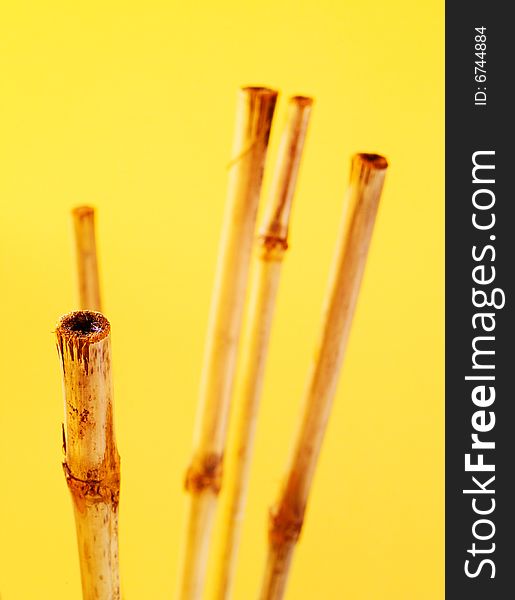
(378, 161)
(84, 323)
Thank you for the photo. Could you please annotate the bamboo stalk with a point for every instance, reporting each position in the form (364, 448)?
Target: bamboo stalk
(203, 479)
(86, 256)
(286, 517)
(92, 464)
(272, 244)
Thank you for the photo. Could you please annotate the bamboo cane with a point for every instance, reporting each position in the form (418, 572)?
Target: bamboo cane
(86, 256)
(203, 479)
(272, 244)
(92, 464)
(286, 517)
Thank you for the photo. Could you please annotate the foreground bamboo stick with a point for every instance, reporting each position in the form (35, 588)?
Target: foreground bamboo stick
(92, 464)
(203, 479)
(86, 256)
(271, 245)
(286, 518)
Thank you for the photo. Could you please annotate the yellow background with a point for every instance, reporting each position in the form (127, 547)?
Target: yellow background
(130, 106)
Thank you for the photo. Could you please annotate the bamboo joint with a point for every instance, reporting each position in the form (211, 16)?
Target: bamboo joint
(285, 525)
(205, 473)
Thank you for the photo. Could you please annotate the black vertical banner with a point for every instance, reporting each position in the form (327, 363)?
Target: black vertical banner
(480, 270)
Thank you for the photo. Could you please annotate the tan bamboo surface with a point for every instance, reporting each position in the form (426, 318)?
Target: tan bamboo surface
(92, 464)
(287, 515)
(255, 109)
(86, 257)
(271, 246)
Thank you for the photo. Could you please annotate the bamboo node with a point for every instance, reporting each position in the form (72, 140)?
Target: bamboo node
(272, 247)
(205, 473)
(285, 525)
(94, 489)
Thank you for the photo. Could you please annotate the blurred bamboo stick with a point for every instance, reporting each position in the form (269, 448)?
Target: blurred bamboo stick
(203, 479)
(272, 244)
(86, 257)
(286, 518)
(92, 464)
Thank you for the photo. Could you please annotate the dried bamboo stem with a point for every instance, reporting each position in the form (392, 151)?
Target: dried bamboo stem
(86, 255)
(272, 244)
(286, 518)
(203, 479)
(92, 464)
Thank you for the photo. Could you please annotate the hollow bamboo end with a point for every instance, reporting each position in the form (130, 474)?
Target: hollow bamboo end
(302, 101)
(83, 212)
(373, 161)
(259, 91)
(368, 170)
(83, 326)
